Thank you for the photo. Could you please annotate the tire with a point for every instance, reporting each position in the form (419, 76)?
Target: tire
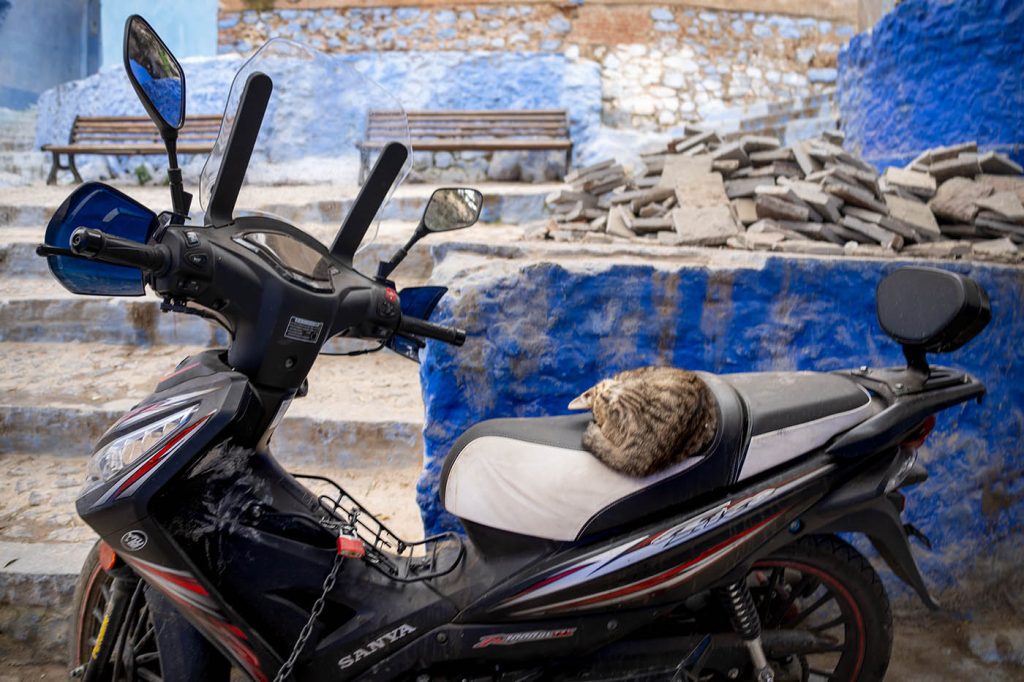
(89, 594)
(858, 596)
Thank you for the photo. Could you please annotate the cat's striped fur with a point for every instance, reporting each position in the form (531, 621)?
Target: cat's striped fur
(647, 419)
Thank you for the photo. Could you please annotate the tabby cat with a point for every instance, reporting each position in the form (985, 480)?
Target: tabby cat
(647, 419)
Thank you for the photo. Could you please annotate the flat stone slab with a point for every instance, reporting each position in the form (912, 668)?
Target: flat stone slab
(956, 197)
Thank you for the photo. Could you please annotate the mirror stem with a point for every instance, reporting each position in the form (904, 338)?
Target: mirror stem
(384, 270)
(181, 201)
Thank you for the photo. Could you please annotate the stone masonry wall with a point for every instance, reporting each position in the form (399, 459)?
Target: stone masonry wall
(660, 66)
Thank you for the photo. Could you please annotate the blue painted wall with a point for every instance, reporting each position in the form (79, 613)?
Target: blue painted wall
(935, 72)
(43, 44)
(540, 334)
(189, 28)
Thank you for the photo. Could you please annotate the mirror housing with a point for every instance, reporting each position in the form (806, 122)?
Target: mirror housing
(159, 82)
(449, 208)
(155, 75)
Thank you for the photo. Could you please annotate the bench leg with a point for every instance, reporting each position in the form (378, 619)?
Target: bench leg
(74, 169)
(363, 162)
(51, 179)
(568, 162)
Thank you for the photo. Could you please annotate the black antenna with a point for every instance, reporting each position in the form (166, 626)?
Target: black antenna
(248, 119)
(371, 197)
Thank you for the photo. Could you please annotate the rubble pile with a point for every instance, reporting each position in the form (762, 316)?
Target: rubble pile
(812, 197)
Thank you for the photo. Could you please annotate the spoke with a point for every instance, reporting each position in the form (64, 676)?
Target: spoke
(143, 659)
(839, 620)
(802, 616)
(148, 675)
(146, 636)
(794, 594)
(820, 673)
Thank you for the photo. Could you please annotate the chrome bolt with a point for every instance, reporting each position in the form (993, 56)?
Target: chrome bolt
(863, 368)
(899, 387)
(733, 673)
(612, 624)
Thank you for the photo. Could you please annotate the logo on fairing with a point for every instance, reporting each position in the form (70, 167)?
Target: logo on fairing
(376, 645)
(508, 638)
(134, 540)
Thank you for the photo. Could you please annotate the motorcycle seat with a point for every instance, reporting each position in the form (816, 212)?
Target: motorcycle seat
(532, 477)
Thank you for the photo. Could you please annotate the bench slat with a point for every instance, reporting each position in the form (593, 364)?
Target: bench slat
(453, 145)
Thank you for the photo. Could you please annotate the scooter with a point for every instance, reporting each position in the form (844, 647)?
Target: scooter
(726, 566)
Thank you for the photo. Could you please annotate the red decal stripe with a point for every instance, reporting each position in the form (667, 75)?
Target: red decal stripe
(662, 577)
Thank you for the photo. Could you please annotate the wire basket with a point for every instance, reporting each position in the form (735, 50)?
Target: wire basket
(398, 559)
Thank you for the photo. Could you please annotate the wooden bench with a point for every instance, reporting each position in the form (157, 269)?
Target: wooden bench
(128, 136)
(466, 130)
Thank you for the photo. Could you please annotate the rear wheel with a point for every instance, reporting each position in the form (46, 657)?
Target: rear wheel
(822, 587)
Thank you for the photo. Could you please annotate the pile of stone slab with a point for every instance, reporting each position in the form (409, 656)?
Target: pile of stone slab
(811, 197)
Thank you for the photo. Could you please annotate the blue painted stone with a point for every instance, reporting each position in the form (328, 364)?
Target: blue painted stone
(559, 24)
(287, 14)
(445, 17)
(541, 333)
(761, 31)
(666, 26)
(822, 75)
(739, 27)
(662, 14)
(407, 13)
(937, 73)
(791, 32)
(550, 45)
(357, 24)
(228, 21)
(446, 33)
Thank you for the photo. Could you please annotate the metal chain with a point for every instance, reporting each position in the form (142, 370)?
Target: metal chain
(318, 606)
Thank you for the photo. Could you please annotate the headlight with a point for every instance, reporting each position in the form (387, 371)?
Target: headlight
(121, 452)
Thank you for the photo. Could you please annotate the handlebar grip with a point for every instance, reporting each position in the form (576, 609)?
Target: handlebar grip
(99, 245)
(418, 327)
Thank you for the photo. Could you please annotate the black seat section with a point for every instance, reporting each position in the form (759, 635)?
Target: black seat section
(777, 400)
(532, 477)
(716, 468)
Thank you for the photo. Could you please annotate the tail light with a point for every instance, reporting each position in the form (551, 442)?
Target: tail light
(917, 437)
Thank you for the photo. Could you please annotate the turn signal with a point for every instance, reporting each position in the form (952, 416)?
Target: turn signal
(108, 557)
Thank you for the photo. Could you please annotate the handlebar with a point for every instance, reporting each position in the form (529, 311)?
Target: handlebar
(98, 245)
(418, 327)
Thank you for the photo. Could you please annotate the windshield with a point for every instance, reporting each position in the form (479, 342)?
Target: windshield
(314, 130)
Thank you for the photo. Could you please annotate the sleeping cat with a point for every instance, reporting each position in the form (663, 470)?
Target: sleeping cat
(648, 419)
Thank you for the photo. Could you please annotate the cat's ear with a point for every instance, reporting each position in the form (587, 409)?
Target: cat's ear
(584, 401)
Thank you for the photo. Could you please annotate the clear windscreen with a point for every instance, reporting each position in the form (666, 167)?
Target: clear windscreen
(314, 132)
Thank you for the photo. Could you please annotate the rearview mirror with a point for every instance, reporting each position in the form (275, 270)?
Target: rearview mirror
(452, 208)
(449, 208)
(155, 74)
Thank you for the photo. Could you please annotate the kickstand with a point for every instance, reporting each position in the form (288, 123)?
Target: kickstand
(690, 667)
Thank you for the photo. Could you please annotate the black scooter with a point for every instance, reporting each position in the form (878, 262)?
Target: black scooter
(727, 566)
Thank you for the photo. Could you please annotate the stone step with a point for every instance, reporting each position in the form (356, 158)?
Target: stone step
(511, 203)
(361, 412)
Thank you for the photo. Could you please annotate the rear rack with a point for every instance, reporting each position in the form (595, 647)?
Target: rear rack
(397, 559)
